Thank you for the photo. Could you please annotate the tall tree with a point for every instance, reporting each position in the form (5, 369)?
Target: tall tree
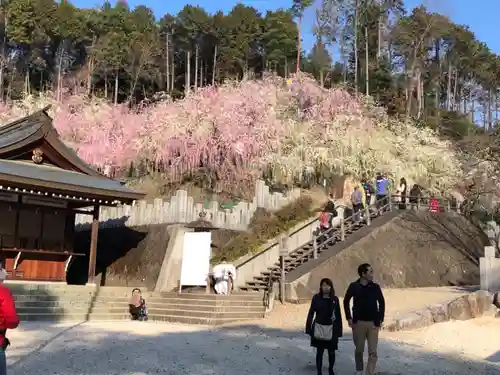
(298, 8)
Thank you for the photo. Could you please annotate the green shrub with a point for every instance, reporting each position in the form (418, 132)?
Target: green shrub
(266, 226)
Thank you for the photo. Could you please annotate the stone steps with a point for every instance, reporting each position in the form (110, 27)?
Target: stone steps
(182, 319)
(70, 303)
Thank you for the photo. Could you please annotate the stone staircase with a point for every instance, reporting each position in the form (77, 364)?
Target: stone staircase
(57, 302)
(333, 243)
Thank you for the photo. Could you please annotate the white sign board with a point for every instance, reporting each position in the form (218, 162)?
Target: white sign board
(196, 258)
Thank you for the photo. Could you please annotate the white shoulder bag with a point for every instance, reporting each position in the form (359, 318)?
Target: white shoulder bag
(324, 332)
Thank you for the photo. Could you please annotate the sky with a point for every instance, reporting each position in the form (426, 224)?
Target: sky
(481, 19)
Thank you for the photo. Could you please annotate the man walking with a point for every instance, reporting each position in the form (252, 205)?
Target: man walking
(8, 319)
(367, 316)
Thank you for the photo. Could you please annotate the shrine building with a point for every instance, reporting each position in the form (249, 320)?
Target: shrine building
(43, 185)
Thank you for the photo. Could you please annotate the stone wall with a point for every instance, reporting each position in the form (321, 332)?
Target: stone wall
(470, 306)
(182, 208)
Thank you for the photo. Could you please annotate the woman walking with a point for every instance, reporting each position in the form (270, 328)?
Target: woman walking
(324, 324)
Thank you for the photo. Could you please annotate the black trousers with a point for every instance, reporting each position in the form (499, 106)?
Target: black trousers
(319, 360)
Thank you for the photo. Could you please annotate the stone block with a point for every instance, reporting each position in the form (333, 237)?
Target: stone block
(439, 312)
(484, 302)
(460, 309)
(414, 320)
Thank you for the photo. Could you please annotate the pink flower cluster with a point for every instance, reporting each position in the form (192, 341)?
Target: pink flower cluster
(225, 132)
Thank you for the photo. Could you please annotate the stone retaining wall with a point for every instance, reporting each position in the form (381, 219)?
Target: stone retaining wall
(470, 306)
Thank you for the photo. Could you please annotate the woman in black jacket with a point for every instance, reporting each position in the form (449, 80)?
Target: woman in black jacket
(324, 324)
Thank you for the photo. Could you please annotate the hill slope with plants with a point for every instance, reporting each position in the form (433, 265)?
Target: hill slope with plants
(286, 131)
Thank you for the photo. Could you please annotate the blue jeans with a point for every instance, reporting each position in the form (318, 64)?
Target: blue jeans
(3, 363)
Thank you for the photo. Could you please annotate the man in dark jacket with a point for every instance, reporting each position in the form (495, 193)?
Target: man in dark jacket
(367, 316)
(8, 319)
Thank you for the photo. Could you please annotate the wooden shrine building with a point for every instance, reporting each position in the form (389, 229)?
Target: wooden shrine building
(43, 185)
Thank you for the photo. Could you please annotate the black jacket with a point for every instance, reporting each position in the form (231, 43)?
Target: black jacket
(368, 303)
(330, 208)
(321, 312)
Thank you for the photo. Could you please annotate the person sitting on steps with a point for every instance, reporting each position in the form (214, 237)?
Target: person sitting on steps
(137, 306)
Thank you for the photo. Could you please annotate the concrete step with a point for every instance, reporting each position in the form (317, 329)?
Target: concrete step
(253, 313)
(125, 317)
(181, 304)
(157, 296)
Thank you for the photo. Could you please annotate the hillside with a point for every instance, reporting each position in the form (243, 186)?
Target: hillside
(412, 250)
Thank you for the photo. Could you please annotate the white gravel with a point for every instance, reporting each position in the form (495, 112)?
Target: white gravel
(128, 348)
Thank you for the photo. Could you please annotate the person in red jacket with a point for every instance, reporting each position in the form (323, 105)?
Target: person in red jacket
(8, 319)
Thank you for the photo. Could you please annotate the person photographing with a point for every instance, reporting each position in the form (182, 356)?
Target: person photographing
(8, 319)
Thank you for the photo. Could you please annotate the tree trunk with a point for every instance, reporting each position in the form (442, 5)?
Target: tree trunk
(59, 74)
(106, 84)
(356, 64)
(187, 74)
(201, 73)
(321, 78)
(367, 67)
(27, 83)
(196, 59)
(448, 88)
(3, 63)
(379, 38)
(90, 67)
(455, 92)
(115, 100)
(299, 42)
(214, 67)
(172, 81)
(167, 63)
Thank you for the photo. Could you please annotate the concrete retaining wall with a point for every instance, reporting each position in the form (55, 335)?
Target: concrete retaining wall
(182, 208)
(489, 267)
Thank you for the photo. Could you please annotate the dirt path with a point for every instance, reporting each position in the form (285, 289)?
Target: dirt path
(275, 345)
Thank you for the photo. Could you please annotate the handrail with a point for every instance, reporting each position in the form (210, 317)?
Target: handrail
(347, 219)
(276, 243)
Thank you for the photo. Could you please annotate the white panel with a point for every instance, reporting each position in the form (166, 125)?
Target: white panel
(196, 258)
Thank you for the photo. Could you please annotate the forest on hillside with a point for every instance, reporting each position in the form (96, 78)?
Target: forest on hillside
(416, 63)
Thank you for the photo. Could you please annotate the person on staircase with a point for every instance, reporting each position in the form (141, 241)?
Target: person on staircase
(224, 275)
(357, 204)
(382, 187)
(330, 209)
(8, 319)
(369, 191)
(401, 193)
(324, 324)
(415, 196)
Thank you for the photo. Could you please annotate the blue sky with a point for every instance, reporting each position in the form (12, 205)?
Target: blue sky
(481, 19)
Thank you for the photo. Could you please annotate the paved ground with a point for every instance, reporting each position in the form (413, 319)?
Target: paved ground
(266, 347)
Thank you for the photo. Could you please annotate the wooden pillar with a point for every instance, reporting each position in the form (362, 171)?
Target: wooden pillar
(93, 244)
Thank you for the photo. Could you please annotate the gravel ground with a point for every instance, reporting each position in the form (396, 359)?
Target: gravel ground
(275, 345)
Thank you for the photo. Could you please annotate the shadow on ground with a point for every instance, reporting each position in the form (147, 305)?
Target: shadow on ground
(494, 357)
(147, 348)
